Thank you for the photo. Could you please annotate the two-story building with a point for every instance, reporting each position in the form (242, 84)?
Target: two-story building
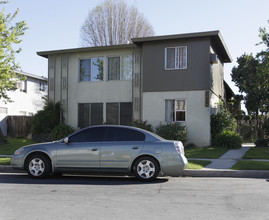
(174, 78)
(25, 100)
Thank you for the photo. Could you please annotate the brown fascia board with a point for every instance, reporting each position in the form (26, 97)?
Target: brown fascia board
(215, 37)
(84, 49)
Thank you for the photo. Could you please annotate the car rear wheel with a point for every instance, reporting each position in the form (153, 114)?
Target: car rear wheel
(38, 166)
(146, 168)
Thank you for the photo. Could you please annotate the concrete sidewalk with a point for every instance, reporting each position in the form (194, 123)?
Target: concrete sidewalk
(222, 167)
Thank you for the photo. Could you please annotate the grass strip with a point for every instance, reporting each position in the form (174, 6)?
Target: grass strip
(4, 161)
(205, 152)
(251, 165)
(13, 144)
(197, 164)
(257, 153)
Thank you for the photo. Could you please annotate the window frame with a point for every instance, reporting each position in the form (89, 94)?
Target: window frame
(90, 58)
(121, 60)
(88, 115)
(175, 68)
(119, 115)
(175, 110)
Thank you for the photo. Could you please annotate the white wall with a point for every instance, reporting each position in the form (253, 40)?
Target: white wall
(23, 103)
(197, 116)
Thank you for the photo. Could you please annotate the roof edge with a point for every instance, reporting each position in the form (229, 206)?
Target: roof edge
(84, 49)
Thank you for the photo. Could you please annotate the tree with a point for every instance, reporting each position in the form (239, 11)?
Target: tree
(253, 81)
(114, 22)
(252, 78)
(10, 35)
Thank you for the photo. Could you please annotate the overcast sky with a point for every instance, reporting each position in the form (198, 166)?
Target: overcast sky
(55, 24)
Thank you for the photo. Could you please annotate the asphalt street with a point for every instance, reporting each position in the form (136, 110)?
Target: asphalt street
(90, 197)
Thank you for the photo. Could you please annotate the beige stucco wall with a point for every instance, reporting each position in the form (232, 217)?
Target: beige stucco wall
(88, 92)
(197, 116)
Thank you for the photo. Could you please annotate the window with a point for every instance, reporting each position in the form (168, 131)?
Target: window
(120, 68)
(88, 135)
(92, 69)
(119, 113)
(175, 110)
(123, 134)
(175, 58)
(90, 114)
(41, 86)
(3, 110)
(22, 86)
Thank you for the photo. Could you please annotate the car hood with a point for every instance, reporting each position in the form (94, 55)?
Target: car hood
(47, 144)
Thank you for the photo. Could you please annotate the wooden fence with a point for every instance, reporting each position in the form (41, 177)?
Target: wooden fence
(19, 126)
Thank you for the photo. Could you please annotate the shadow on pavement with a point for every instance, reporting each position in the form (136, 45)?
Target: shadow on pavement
(23, 178)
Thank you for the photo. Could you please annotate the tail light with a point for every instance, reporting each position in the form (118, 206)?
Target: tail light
(179, 147)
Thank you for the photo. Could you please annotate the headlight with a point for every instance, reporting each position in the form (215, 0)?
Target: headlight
(19, 151)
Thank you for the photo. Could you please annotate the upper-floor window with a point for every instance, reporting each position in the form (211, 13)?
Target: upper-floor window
(120, 68)
(42, 86)
(92, 69)
(176, 58)
(22, 86)
(175, 110)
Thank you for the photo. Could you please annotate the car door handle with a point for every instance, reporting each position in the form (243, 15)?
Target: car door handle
(135, 147)
(94, 149)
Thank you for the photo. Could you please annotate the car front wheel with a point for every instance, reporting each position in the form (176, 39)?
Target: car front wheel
(146, 168)
(38, 166)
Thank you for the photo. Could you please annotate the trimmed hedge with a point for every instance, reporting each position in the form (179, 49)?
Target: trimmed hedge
(172, 131)
(228, 139)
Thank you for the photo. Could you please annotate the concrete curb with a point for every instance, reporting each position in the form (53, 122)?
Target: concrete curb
(227, 173)
(189, 173)
(9, 169)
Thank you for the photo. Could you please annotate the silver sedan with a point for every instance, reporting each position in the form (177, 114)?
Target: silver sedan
(104, 149)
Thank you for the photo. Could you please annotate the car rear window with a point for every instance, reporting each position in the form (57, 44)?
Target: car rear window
(123, 134)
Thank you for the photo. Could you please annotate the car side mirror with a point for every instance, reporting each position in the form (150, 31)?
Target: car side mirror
(66, 140)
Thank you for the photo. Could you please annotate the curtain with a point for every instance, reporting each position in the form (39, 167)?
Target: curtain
(114, 68)
(169, 110)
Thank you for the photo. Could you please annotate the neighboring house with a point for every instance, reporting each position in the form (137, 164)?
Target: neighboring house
(158, 79)
(25, 100)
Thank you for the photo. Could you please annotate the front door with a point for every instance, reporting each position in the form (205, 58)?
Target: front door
(82, 150)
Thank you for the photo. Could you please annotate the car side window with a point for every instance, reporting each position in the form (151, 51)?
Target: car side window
(123, 134)
(88, 135)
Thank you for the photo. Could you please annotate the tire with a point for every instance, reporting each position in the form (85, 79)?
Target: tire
(38, 166)
(146, 168)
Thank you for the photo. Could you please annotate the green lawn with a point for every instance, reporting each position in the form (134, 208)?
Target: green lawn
(4, 161)
(257, 153)
(205, 152)
(251, 165)
(197, 164)
(13, 144)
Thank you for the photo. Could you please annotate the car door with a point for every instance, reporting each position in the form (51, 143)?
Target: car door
(82, 149)
(120, 146)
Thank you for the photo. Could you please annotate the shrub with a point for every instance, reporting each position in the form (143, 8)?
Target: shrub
(228, 139)
(190, 145)
(42, 137)
(48, 118)
(61, 131)
(222, 121)
(172, 131)
(142, 124)
(262, 143)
